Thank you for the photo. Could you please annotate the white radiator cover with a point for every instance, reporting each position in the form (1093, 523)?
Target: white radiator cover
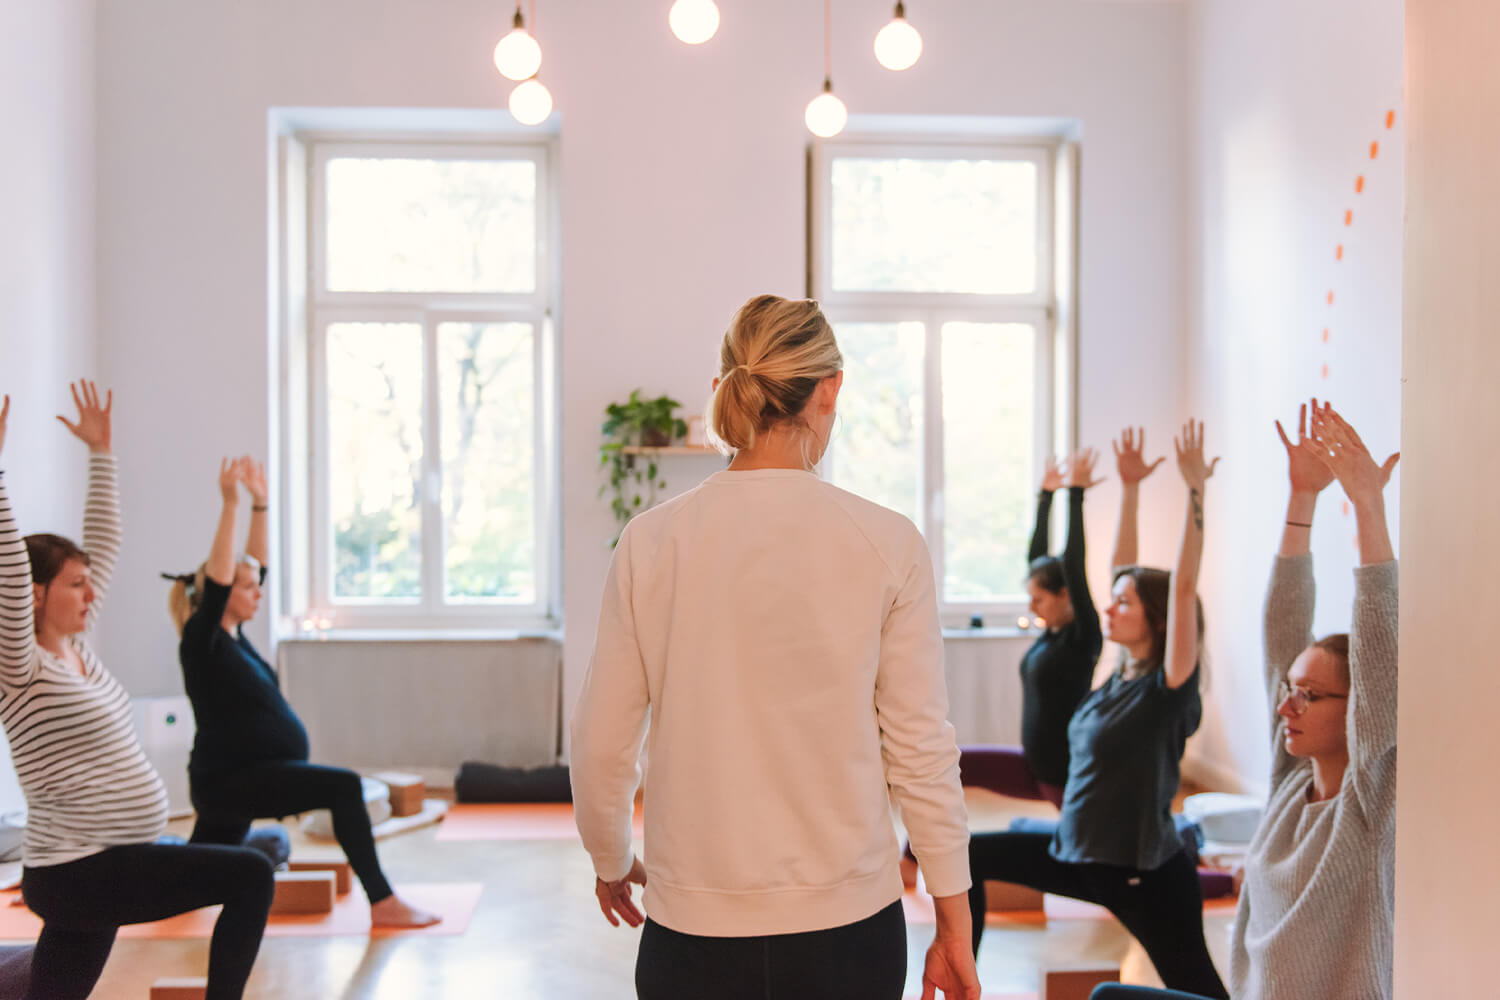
(165, 728)
(426, 705)
(984, 686)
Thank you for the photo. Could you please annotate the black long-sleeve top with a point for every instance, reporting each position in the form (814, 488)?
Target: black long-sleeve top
(241, 714)
(1059, 667)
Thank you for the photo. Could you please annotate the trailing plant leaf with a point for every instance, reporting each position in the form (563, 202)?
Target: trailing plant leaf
(632, 423)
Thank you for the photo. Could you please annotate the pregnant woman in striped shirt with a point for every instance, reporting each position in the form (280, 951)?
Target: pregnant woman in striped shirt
(95, 804)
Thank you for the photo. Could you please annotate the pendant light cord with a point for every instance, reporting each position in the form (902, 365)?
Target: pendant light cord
(827, 41)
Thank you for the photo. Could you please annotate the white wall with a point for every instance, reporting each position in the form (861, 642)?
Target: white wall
(46, 261)
(1289, 97)
(683, 193)
(1450, 692)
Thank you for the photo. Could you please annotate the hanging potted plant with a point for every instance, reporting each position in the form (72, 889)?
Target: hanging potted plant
(633, 479)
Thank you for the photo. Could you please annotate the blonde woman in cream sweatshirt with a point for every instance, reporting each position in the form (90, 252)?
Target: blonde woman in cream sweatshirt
(776, 641)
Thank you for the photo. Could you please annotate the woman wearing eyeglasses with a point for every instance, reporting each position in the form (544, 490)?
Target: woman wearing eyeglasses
(1316, 910)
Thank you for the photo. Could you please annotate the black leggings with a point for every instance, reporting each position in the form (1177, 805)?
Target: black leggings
(227, 801)
(859, 961)
(83, 903)
(1162, 908)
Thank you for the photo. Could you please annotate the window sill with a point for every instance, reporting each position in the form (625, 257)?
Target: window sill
(1010, 632)
(425, 635)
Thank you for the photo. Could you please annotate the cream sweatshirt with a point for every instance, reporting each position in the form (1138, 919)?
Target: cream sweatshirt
(781, 635)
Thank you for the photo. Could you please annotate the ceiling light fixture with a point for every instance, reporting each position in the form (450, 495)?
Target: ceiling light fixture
(531, 102)
(898, 46)
(826, 115)
(517, 55)
(694, 21)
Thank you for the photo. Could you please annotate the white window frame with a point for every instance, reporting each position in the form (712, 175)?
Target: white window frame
(1039, 309)
(313, 578)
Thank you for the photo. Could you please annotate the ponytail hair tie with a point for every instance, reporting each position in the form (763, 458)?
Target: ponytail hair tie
(189, 580)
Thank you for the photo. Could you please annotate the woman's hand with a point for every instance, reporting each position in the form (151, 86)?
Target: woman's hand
(4, 419)
(1306, 470)
(93, 426)
(1081, 469)
(254, 478)
(1190, 462)
(1130, 461)
(229, 480)
(1052, 478)
(614, 897)
(1346, 457)
(950, 967)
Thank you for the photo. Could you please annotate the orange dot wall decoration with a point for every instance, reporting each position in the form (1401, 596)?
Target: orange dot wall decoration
(1367, 183)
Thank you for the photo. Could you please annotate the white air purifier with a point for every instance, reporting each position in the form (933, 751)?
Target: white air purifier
(165, 729)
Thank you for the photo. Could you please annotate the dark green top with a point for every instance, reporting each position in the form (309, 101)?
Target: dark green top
(1126, 741)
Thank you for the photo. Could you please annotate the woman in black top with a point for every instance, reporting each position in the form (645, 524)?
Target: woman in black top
(1059, 667)
(1115, 842)
(249, 758)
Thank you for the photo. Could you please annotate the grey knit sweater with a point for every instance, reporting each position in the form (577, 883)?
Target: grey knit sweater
(1315, 915)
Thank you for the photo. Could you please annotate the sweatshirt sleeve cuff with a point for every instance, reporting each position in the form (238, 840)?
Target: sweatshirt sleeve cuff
(612, 869)
(946, 874)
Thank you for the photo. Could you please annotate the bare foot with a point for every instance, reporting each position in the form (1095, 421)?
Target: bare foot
(392, 912)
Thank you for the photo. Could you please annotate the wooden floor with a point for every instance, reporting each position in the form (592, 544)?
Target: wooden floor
(538, 933)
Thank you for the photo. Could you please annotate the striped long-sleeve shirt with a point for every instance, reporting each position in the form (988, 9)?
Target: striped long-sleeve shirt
(88, 785)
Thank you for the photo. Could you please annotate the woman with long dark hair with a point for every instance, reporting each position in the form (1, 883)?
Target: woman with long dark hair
(1115, 842)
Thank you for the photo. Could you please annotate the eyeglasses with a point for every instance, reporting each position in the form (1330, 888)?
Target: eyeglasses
(1297, 699)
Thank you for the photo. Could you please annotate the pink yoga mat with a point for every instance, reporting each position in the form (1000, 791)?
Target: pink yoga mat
(513, 821)
(351, 915)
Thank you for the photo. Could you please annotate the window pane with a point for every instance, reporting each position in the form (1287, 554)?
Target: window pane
(934, 226)
(988, 388)
(431, 225)
(375, 459)
(487, 384)
(877, 444)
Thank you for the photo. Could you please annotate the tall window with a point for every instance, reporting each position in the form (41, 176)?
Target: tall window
(429, 463)
(935, 263)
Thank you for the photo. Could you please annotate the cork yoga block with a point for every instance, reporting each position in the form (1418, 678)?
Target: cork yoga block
(1076, 984)
(304, 892)
(407, 792)
(1007, 897)
(342, 874)
(179, 988)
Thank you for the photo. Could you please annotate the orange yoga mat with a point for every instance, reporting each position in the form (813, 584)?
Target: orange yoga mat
(351, 915)
(513, 821)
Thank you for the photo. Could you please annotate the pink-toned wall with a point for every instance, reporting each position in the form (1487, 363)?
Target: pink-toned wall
(47, 334)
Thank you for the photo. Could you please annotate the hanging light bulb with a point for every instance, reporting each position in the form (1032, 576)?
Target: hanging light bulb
(531, 102)
(517, 55)
(898, 46)
(694, 21)
(826, 115)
